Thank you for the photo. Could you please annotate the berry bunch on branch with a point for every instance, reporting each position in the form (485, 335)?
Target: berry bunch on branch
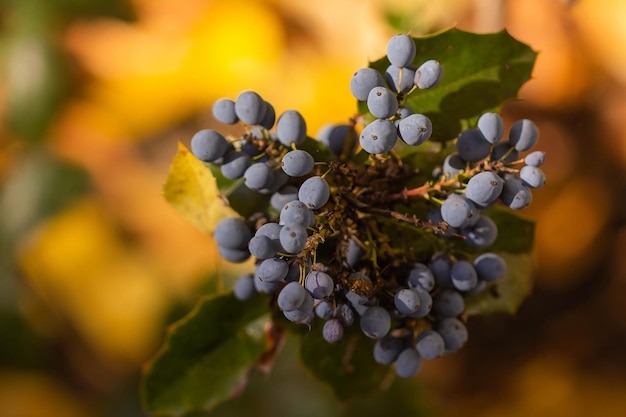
(379, 229)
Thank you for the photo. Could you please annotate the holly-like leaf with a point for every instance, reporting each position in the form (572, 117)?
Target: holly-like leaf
(192, 190)
(515, 234)
(481, 72)
(514, 243)
(207, 355)
(317, 149)
(507, 294)
(347, 366)
(242, 200)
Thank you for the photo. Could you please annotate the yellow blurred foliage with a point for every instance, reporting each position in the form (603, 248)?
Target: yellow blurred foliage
(130, 190)
(554, 386)
(549, 385)
(149, 75)
(567, 229)
(561, 73)
(179, 57)
(603, 33)
(26, 394)
(83, 270)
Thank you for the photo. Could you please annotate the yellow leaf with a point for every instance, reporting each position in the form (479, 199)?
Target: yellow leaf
(192, 190)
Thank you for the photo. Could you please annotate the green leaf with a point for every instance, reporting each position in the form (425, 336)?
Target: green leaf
(317, 149)
(347, 366)
(481, 72)
(240, 198)
(514, 244)
(515, 234)
(207, 356)
(507, 294)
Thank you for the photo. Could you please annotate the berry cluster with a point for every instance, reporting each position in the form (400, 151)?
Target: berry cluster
(360, 235)
(487, 167)
(393, 118)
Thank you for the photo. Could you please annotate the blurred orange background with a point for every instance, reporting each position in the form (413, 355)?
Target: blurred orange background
(94, 264)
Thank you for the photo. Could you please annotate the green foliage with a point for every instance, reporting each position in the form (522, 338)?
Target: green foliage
(346, 366)
(481, 72)
(507, 294)
(514, 244)
(208, 353)
(243, 200)
(517, 234)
